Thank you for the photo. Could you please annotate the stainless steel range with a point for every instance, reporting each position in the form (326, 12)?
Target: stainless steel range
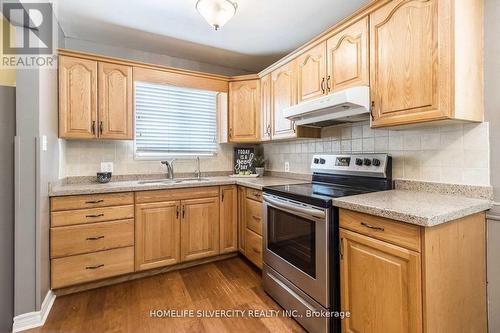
(301, 235)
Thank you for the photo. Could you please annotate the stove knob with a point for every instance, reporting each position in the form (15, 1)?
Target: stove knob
(322, 161)
(367, 162)
(316, 161)
(376, 162)
(359, 162)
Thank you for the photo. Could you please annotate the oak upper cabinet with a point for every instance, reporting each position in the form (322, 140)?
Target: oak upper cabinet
(284, 95)
(266, 108)
(381, 286)
(426, 61)
(347, 54)
(199, 228)
(244, 111)
(157, 234)
(77, 98)
(95, 100)
(116, 115)
(311, 70)
(228, 219)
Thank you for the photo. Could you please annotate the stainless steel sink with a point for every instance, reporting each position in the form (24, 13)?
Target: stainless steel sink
(173, 181)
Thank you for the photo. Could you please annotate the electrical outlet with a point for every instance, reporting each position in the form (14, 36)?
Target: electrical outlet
(106, 166)
(287, 166)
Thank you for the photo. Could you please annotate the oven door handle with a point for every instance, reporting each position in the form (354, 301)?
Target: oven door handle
(315, 213)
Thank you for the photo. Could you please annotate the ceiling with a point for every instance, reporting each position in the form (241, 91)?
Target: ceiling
(261, 32)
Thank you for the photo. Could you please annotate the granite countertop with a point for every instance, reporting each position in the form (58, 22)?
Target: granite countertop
(61, 189)
(420, 208)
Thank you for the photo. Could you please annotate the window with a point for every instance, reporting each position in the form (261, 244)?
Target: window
(174, 121)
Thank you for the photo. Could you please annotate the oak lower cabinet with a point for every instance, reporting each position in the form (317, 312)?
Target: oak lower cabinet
(157, 234)
(426, 61)
(250, 224)
(398, 277)
(199, 228)
(244, 111)
(228, 219)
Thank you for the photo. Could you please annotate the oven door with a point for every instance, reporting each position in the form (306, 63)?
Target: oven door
(296, 244)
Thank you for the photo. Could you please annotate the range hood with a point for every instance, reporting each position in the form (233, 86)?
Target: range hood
(349, 105)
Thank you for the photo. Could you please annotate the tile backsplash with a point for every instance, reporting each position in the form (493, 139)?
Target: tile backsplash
(457, 153)
(83, 158)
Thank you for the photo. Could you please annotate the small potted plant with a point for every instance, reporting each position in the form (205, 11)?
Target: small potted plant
(259, 162)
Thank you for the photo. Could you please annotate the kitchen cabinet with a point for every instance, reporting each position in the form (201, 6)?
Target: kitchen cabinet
(77, 98)
(250, 224)
(311, 73)
(115, 91)
(399, 277)
(95, 99)
(157, 234)
(266, 108)
(347, 54)
(426, 61)
(199, 228)
(241, 219)
(244, 111)
(228, 219)
(284, 94)
(382, 282)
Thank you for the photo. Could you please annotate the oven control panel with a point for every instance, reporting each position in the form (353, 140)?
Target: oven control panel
(370, 165)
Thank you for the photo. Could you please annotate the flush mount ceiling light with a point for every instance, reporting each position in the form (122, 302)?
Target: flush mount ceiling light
(216, 12)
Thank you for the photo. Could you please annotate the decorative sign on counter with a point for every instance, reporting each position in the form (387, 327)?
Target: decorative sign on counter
(243, 158)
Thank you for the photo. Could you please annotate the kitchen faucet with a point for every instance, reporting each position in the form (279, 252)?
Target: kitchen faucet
(170, 168)
(197, 173)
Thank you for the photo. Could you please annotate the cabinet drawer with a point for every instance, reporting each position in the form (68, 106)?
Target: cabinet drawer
(399, 233)
(253, 248)
(253, 216)
(91, 201)
(90, 267)
(177, 194)
(82, 216)
(79, 239)
(254, 194)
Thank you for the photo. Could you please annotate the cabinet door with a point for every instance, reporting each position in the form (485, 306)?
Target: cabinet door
(284, 94)
(311, 73)
(380, 286)
(228, 219)
(241, 218)
(199, 228)
(77, 98)
(406, 72)
(116, 115)
(244, 111)
(347, 53)
(266, 108)
(157, 235)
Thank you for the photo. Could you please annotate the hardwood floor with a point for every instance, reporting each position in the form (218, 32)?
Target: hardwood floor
(224, 285)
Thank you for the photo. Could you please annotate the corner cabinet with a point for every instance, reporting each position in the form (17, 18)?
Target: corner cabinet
(426, 61)
(95, 100)
(244, 111)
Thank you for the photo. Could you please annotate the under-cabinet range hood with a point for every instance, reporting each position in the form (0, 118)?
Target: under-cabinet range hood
(349, 105)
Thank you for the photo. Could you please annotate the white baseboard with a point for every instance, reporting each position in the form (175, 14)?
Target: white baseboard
(34, 319)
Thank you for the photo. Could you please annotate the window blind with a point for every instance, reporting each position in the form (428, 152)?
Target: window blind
(174, 121)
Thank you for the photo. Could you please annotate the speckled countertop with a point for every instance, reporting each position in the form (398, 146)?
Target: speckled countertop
(420, 208)
(62, 189)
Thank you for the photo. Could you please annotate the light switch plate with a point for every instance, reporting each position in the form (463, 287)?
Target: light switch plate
(287, 166)
(106, 166)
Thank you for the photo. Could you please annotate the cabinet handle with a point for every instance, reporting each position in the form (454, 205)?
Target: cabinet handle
(341, 248)
(268, 129)
(222, 196)
(230, 132)
(177, 211)
(94, 201)
(183, 211)
(95, 267)
(256, 217)
(323, 85)
(372, 109)
(100, 127)
(371, 226)
(255, 250)
(94, 238)
(96, 215)
(328, 88)
(93, 127)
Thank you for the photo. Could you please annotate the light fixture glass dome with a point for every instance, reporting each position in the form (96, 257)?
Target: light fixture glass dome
(216, 12)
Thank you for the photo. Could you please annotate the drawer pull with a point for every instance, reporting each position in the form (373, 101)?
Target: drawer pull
(93, 216)
(255, 250)
(94, 238)
(372, 227)
(256, 217)
(256, 194)
(94, 201)
(94, 267)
